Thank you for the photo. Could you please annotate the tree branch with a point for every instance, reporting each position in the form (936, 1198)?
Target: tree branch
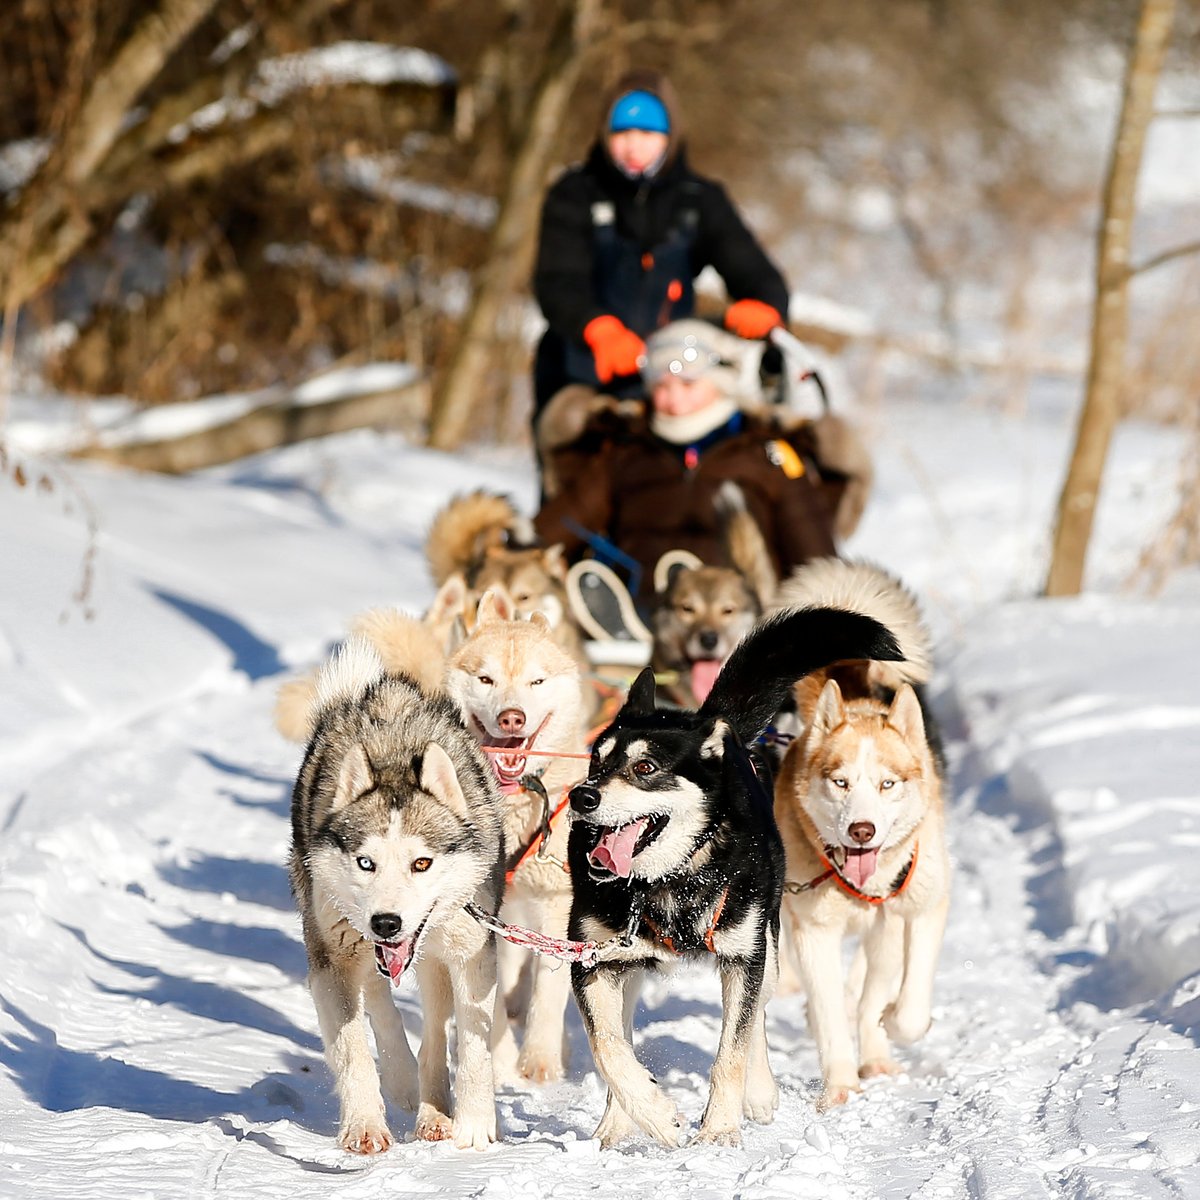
(1165, 257)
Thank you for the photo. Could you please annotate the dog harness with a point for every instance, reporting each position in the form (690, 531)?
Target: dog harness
(899, 884)
(665, 940)
(537, 843)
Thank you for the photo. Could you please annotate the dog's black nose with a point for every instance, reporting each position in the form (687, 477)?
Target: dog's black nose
(585, 797)
(708, 639)
(386, 926)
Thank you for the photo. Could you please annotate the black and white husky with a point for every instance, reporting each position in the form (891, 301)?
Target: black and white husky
(673, 843)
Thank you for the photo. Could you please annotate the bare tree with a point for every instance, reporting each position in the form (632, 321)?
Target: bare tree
(1110, 314)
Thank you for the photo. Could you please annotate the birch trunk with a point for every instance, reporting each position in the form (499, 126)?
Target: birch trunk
(1106, 369)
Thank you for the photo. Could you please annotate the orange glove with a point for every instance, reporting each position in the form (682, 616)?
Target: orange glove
(615, 348)
(751, 318)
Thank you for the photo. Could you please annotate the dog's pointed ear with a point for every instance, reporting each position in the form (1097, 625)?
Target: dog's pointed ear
(449, 601)
(456, 636)
(439, 778)
(713, 745)
(539, 620)
(830, 711)
(355, 777)
(641, 696)
(496, 604)
(554, 559)
(905, 716)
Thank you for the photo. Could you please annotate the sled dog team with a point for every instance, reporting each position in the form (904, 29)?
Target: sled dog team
(447, 792)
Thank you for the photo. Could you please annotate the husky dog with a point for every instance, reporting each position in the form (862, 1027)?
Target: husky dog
(701, 610)
(859, 806)
(481, 538)
(520, 692)
(673, 844)
(395, 827)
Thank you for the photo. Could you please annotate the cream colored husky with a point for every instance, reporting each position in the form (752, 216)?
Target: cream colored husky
(521, 694)
(859, 805)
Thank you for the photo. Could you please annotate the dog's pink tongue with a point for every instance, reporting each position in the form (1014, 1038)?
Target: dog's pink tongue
(394, 957)
(704, 675)
(860, 866)
(614, 851)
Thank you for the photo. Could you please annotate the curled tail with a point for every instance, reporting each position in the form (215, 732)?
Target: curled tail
(759, 674)
(865, 588)
(464, 530)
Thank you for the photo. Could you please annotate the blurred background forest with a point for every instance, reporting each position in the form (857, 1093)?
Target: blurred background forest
(205, 196)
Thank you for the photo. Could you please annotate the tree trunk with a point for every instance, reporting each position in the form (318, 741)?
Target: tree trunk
(511, 247)
(49, 224)
(1106, 369)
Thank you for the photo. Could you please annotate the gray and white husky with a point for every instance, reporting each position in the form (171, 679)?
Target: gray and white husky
(395, 827)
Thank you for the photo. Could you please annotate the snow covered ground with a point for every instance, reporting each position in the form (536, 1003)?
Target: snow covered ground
(156, 1037)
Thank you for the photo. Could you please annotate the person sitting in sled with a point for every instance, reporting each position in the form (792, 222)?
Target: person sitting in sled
(635, 485)
(622, 238)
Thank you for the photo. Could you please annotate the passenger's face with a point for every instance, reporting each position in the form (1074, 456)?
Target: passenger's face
(633, 150)
(674, 396)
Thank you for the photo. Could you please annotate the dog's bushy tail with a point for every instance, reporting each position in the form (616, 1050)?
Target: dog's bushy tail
(354, 667)
(464, 529)
(759, 674)
(866, 588)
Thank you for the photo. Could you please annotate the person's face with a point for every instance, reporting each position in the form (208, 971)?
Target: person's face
(674, 396)
(633, 150)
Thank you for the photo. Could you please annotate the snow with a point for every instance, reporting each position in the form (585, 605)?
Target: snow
(156, 1037)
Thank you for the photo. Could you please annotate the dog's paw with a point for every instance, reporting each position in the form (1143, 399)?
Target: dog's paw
(615, 1126)
(879, 1066)
(760, 1104)
(835, 1095)
(365, 1135)
(474, 1132)
(905, 1025)
(663, 1121)
(540, 1066)
(717, 1137)
(433, 1126)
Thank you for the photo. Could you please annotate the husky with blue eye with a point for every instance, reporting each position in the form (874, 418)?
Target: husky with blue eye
(396, 826)
(673, 845)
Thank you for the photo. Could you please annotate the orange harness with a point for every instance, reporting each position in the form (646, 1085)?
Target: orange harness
(833, 873)
(669, 942)
(536, 841)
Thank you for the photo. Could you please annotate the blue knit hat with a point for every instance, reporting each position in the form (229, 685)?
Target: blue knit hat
(639, 110)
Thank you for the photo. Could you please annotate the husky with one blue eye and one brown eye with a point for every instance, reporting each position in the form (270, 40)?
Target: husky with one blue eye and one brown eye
(673, 843)
(396, 827)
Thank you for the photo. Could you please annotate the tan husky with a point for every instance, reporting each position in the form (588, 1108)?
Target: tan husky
(480, 538)
(701, 611)
(858, 801)
(521, 694)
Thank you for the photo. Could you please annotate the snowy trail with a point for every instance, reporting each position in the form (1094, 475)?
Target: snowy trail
(156, 1036)
(182, 939)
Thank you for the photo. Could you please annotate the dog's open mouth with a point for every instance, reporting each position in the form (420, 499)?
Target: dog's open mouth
(508, 755)
(615, 848)
(392, 958)
(858, 864)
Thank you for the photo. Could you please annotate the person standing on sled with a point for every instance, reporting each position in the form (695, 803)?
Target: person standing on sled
(645, 484)
(622, 239)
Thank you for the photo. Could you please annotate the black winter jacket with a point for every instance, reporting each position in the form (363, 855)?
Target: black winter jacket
(610, 244)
